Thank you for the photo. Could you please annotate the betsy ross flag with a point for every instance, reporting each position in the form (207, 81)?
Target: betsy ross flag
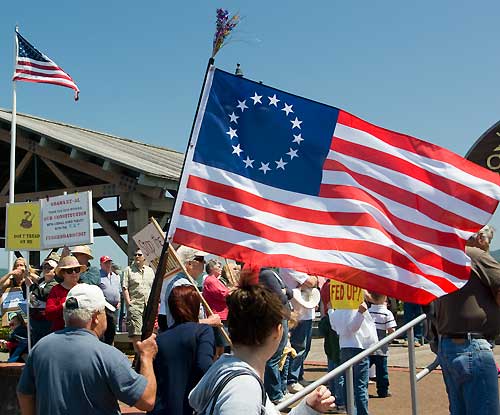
(34, 66)
(273, 179)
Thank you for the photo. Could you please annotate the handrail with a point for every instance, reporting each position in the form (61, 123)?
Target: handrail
(351, 362)
(424, 372)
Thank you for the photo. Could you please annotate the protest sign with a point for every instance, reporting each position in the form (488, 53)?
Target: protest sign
(9, 302)
(67, 220)
(345, 296)
(150, 240)
(23, 226)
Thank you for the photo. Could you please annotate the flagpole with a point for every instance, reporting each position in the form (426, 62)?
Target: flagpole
(154, 296)
(12, 175)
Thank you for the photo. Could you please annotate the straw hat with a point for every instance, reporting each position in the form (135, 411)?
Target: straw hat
(69, 262)
(82, 249)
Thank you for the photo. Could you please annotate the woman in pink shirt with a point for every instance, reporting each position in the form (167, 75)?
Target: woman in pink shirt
(215, 293)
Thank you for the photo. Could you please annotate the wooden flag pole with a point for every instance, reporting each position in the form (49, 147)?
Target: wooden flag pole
(229, 273)
(154, 296)
(173, 254)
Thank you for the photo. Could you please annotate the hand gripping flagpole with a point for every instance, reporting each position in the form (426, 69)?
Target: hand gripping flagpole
(12, 175)
(154, 296)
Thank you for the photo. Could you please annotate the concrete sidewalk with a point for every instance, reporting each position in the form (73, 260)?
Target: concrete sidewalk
(398, 355)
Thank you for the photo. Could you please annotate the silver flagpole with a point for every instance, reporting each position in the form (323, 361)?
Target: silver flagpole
(12, 177)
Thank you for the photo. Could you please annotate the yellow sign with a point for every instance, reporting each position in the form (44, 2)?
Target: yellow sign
(23, 226)
(345, 296)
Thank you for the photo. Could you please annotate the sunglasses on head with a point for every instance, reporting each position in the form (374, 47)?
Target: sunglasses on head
(75, 270)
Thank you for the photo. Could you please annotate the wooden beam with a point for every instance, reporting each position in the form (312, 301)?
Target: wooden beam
(98, 191)
(57, 172)
(85, 166)
(135, 200)
(115, 215)
(122, 230)
(21, 167)
(109, 227)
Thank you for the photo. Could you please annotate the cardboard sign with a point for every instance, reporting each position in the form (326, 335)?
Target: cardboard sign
(67, 220)
(345, 296)
(9, 302)
(23, 226)
(150, 240)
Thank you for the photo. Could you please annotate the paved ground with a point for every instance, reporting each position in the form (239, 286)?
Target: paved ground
(431, 391)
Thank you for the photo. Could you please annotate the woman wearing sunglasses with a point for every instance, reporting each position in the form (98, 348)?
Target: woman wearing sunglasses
(69, 269)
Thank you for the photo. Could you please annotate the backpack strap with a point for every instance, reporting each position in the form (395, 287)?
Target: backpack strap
(222, 384)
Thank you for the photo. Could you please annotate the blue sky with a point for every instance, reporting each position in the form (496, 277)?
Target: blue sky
(429, 69)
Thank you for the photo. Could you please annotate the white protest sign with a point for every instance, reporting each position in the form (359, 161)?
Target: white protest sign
(150, 240)
(10, 300)
(67, 220)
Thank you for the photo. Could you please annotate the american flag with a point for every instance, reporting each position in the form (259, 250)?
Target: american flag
(34, 66)
(278, 180)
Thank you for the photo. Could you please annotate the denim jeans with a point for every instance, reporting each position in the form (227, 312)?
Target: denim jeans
(411, 311)
(284, 375)
(382, 373)
(336, 385)
(300, 340)
(360, 381)
(272, 376)
(470, 376)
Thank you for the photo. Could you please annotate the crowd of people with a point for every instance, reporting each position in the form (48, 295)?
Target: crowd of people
(189, 364)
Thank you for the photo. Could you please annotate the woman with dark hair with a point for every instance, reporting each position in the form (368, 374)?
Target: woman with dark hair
(233, 385)
(185, 352)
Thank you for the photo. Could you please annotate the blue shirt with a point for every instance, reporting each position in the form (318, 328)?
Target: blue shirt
(111, 287)
(91, 276)
(71, 372)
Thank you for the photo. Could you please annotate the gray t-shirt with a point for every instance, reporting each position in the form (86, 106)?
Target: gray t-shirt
(72, 372)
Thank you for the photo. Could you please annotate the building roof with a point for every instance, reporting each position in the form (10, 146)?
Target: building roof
(146, 159)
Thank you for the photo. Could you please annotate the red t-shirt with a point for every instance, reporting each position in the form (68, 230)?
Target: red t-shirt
(54, 308)
(215, 293)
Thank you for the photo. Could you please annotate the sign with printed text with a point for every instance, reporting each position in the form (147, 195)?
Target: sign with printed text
(23, 226)
(67, 220)
(345, 296)
(9, 302)
(150, 240)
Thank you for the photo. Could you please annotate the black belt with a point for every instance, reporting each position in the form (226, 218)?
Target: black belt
(465, 336)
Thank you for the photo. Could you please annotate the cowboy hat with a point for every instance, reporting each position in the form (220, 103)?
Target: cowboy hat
(82, 249)
(69, 262)
(306, 297)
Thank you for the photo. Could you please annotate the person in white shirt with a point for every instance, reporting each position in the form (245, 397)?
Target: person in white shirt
(356, 332)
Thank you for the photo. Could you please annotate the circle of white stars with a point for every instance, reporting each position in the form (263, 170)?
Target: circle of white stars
(266, 165)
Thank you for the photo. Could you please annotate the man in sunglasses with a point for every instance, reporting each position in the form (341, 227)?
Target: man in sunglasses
(137, 281)
(194, 262)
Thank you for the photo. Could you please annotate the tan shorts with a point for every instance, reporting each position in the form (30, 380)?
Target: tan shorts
(134, 320)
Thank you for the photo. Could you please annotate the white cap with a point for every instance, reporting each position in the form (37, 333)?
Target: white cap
(187, 254)
(89, 297)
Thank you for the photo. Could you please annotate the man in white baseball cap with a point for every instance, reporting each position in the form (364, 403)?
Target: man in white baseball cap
(71, 371)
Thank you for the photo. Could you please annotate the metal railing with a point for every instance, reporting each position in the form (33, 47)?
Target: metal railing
(347, 367)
